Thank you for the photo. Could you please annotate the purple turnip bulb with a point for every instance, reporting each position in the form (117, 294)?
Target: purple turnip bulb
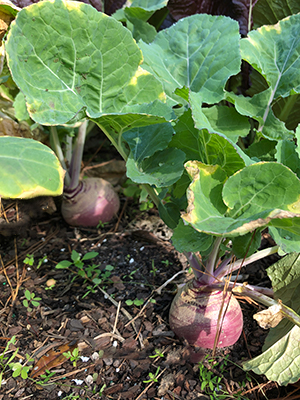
(194, 316)
(93, 201)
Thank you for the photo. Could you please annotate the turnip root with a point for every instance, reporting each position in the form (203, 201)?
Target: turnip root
(93, 201)
(194, 316)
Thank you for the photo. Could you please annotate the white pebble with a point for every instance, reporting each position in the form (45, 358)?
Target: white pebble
(142, 248)
(63, 249)
(131, 261)
(115, 343)
(89, 380)
(78, 381)
(95, 356)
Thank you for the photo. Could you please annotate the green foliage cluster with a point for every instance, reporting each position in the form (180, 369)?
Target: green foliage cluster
(220, 159)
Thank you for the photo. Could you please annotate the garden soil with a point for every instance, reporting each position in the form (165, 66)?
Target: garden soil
(126, 349)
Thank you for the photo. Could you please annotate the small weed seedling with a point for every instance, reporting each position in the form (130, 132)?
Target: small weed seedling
(29, 260)
(30, 301)
(136, 302)
(21, 370)
(44, 378)
(153, 377)
(153, 269)
(73, 356)
(211, 384)
(90, 273)
(5, 360)
(157, 354)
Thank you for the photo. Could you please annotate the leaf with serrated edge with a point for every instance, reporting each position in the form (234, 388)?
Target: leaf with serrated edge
(28, 169)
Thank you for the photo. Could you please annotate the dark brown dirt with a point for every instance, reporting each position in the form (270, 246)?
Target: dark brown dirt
(141, 258)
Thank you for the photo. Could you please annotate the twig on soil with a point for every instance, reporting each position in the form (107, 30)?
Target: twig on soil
(140, 312)
(125, 312)
(169, 281)
(117, 317)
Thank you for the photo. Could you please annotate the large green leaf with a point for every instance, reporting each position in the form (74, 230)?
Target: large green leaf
(259, 195)
(144, 9)
(205, 147)
(28, 169)
(67, 58)
(286, 154)
(280, 360)
(274, 52)
(191, 54)
(268, 12)
(145, 141)
(185, 238)
(161, 170)
(150, 160)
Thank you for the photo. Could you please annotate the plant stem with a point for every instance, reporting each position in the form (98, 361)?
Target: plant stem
(75, 165)
(194, 263)
(267, 301)
(209, 275)
(230, 285)
(224, 269)
(59, 153)
(69, 148)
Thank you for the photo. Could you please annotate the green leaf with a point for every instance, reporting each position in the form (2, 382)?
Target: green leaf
(169, 213)
(21, 112)
(89, 255)
(145, 141)
(287, 109)
(227, 121)
(246, 245)
(287, 240)
(84, 61)
(263, 150)
(219, 119)
(202, 121)
(268, 12)
(142, 30)
(201, 145)
(186, 238)
(63, 264)
(161, 170)
(262, 194)
(280, 360)
(27, 294)
(285, 278)
(274, 52)
(9, 8)
(75, 256)
(28, 169)
(191, 53)
(287, 155)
